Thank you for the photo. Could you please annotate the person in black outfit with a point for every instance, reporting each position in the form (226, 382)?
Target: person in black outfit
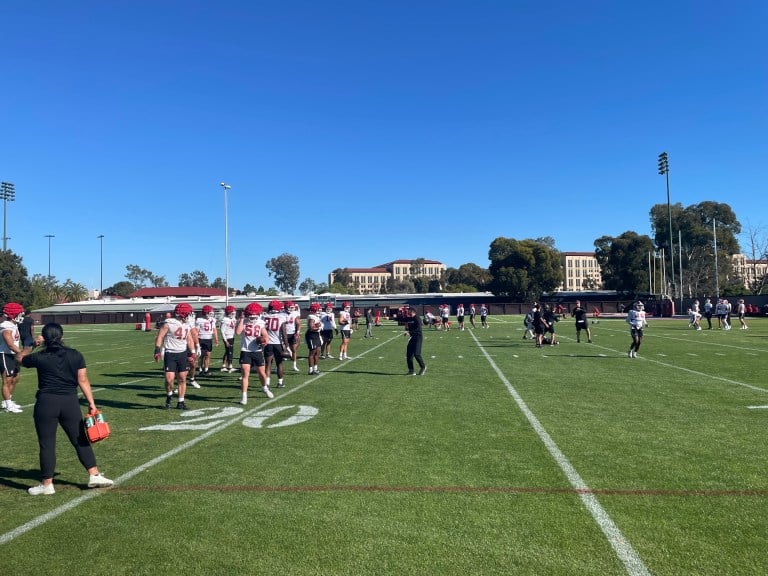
(27, 332)
(582, 322)
(413, 350)
(60, 370)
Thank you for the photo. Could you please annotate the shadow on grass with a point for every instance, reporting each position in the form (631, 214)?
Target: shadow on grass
(19, 479)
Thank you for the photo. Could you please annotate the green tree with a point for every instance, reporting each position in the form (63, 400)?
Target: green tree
(220, 283)
(344, 278)
(285, 270)
(466, 276)
(417, 266)
(624, 261)
(523, 269)
(338, 288)
(197, 279)
(14, 283)
(43, 289)
(402, 287)
(693, 237)
(307, 286)
(140, 277)
(73, 292)
(122, 288)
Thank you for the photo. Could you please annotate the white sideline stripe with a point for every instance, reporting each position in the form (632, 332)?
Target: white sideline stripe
(59, 510)
(631, 560)
(683, 369)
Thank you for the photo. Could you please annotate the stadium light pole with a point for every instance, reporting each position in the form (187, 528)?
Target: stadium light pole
(226, 187)
(8, 194)
(717, 274)
(664, 171)
(101, 264)
(49, 236)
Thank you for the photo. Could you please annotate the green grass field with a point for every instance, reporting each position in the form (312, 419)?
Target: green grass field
(502, 459)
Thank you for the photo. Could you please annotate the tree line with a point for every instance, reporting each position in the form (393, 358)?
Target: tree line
(704, 238)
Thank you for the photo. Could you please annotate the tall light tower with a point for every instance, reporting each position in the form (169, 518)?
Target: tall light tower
(8, 194)
(664, 171)
(226, 187)
(101, 264)
(49, 236)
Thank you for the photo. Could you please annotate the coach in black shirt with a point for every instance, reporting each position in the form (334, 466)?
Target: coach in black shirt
(413, 350)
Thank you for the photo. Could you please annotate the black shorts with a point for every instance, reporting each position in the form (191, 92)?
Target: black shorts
(175, 362)
(460, 319)
(327, 335)
(292, 340)
(251, 358)
(313, 340)
(346, 332)
(636, 332)
(581, 325)
(206, 345)
(274, 351)
(9, 365)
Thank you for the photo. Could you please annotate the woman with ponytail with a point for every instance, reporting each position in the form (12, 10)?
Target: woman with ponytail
(60, 371)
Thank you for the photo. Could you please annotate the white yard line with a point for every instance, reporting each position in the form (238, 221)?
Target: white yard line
(631, 560)
(59, 510)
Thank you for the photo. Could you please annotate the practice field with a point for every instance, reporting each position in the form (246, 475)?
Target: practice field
(502, 459)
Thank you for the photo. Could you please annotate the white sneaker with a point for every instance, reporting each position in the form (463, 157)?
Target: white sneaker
(244, 400)
(194, 384)
(329, 356)
(232, 370)
(99, 481)
(224, 369)
(296, 369)
(42, 489)
(267, 391)
(11, 406)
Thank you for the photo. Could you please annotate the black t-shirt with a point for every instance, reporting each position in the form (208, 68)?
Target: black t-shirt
(25, 330)
(56, 369)
(414, 326)
(580, 314)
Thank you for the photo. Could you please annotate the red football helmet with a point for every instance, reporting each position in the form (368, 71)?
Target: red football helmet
(314, 307)
(346, 305)
(230, 311)
(328, 306)
(14, 311)
(182, 310)
(276, 306)
(253, 310)
(208, 311)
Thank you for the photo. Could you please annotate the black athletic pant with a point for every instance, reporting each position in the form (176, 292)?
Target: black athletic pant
(50, 411)
(414, 351)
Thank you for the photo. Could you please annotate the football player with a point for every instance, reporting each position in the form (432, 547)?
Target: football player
(293, 331)
(329, 325)
(228, 324)
(313, 338)
(10, 345)
(277, 345)
(636, 321)
(208, 338)
(253, 337)
(345, 329)
(175, 337)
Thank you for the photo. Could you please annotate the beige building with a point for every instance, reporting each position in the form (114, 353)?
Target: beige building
(580, 272)
(373, 280)
(750, 271)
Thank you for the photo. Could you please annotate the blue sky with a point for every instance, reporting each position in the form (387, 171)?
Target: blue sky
(356, 132)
